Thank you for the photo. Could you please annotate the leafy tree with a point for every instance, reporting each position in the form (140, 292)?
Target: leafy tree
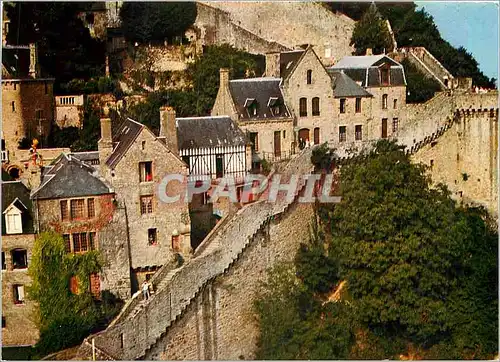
(91, 131)
(65, 318)
(151, 22)
(64, 137)
(65, 48)
(419, 88)
(371, 32)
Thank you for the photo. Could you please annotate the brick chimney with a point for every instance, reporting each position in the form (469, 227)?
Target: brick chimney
(34, 67)
(105, 143)
(273, 65)
(223, 77)
(168, 128)
(369, 51)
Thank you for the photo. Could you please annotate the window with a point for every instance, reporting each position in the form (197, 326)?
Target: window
(309, 76)
(186, 160)
(432, 164)
(342, 105)
(18, 294)
(219, 166)
(384, 127)
(67, 243)
(358, 105)
(77, 209)
(92, 241)
(303, 107)
(284, 134)
(64, 210)
(90, 208)
(358, 135)
(19, 259)
(315, 106)
(143, 145)
(4, 265)
(342, 133)
(76, 243)
(13, 105)
(83, 242)
(175, 243)
(316, 136)
(13, 223)
(384, 101)
(152, 237)
(146, 171)
(395, 104)
(46, 88)
(384, 75)
(3, 322)
(254, 139)
(15, 86)
(146, 204)
(253, 109)
(395, 125)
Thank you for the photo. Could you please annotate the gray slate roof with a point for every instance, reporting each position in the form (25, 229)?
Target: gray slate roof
(11, 191)
(365, 69)
(288, 61)
(69, 177)
(265, 92)
(208, 132)
(123, 137)
(343, 86)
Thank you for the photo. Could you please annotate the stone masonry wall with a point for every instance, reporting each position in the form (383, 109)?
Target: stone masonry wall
(222, 316)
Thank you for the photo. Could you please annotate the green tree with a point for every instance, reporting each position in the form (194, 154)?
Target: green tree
(65, 318)
(154, 22)
(419, 88)
(371, 32)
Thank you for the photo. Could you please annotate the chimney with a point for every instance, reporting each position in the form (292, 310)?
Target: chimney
(369, 51)
(34, 68)
(105, 144)
(168, 128)
(224, 77)
(273, 65)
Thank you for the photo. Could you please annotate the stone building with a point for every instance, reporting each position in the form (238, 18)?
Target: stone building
(134, 162)
(75, 202)
(258, 107)
(27, 98)
(18, 236)
(69, 111)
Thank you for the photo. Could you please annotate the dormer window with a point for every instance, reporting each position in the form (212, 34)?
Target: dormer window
(13, 217)
(274, 106)
(252, 107)
(384, 74)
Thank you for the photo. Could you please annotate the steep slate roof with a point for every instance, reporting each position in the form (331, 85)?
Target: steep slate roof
(16, 62)
(265, 91)
(365, 69)
(69, 177)
(288, 61)
(123, 138)
(207, 132)
(11, 191)
(343, 86)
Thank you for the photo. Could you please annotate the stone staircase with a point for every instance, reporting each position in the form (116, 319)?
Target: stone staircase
(141, 324)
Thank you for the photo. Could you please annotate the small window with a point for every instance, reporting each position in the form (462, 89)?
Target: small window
(432, 164)
(152, 237)
(309, 76)
(284, 134)
(342, 133)
(253, 109)
(342, 105)
(146, 204)
(13, 223)
(219, 166)
(92, 241)
(19, 259)
(315, 106)
(254, 139)
(303, 107)
(15, 86)
(46, 88)
(384, 127)
(358, 135)
(384, 75)
(64, 210)
(67, 243)
(395, 125)
(384, 101)
(4, 325)
(316, 136)
(18, 294)
(4, 265)
(395, 103)
(175, 243)
(358, 105)
(13, 105)
(90, 208)
(77, 209)
(122, 340)
(83, 242)
(143, 145)
(146, 171)
(76, 243)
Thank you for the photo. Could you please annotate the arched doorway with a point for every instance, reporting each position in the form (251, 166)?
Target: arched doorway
(303, 137)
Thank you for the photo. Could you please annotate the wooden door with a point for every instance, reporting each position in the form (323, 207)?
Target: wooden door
(277, 144)
(384, 128)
